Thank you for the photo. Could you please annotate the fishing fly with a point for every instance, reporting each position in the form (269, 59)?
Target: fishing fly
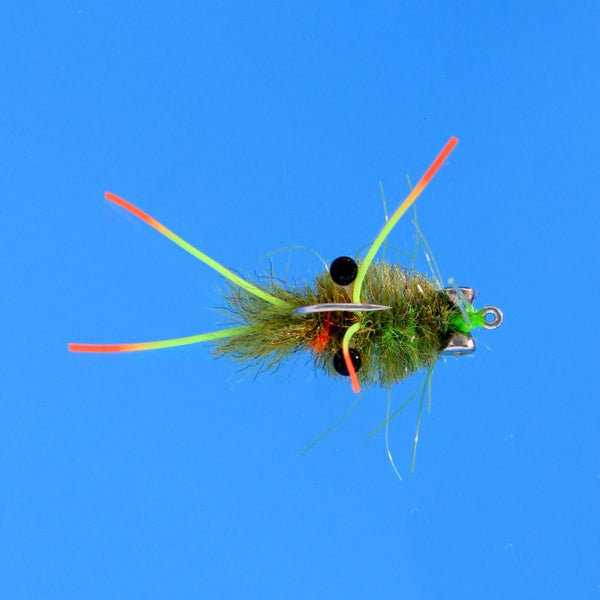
(368, 320)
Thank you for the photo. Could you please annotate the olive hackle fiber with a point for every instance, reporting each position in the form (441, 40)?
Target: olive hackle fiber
(393, 344)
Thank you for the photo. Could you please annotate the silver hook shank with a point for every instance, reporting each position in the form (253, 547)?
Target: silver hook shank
(339, 306)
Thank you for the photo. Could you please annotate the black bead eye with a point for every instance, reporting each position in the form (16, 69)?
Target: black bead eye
(339, 364)
(343, 270)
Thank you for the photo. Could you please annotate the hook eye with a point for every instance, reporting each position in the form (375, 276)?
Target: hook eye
(493, 317)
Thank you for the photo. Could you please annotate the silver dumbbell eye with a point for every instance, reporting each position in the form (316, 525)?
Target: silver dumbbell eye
(468, 293)
(459, 344)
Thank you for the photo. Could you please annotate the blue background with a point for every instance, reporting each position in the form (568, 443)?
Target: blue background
(246, 129)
